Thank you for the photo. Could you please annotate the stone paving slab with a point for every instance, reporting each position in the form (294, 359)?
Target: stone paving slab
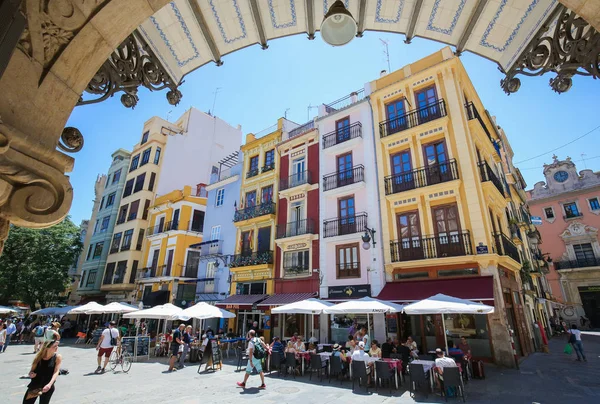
(542, 378)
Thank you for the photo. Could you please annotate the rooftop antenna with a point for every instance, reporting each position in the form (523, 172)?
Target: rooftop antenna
(386, 52)
(215, 100)
(285, 113)
(583, 159)
(308, 111)
(169, 114)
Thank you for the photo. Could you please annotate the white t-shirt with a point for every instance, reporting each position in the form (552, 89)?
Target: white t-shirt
(250, 346)
(576, 333)
(445, 362)
(107, 335)
(359, 355)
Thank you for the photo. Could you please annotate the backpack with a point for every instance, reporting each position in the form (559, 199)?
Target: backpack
(259, 349)
(113, 340)
(39, 331)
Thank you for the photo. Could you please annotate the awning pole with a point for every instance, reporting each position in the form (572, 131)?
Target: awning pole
(445, 339)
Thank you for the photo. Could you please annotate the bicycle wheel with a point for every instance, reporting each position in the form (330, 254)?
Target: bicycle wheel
(126, 362)
(113, 360)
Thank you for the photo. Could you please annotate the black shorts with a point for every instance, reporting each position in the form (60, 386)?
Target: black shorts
(174, 348)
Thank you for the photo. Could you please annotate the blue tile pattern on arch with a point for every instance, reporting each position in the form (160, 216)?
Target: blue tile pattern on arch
(185, 30)
(379, 18)
(236, 6)
(513, 34)
(450, 29)
(326, 6)
(291, 23)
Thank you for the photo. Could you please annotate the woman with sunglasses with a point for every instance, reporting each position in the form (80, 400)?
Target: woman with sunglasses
(43, 374)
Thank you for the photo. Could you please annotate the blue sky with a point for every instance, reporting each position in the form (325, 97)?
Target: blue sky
(257, 86)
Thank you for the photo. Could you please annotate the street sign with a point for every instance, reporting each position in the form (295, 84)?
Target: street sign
(482, 249)
(536, 220)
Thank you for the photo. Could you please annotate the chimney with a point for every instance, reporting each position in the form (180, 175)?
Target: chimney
(383, 73)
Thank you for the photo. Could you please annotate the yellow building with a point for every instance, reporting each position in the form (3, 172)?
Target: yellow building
(444, 206)
(252, 267)
(125, 254)
(170, 268)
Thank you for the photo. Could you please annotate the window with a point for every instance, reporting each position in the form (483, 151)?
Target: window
(250, 199)
(128, 188)
(133, 274)
(116, 176)
(157, 156)
(210, 273)
(412, 275)
(269, 160)
(127, 236)
(122, 214)
(584, 253)
(110, 201)
(220, 197)
(197, 221)
(114, 247)
(101, 203)
(594, 204)
(89, 253)
(109, 273)
(267, 194)
(133, 210)
(140, 240)
(134, 162)
(105, 222)
(549, 212)
(145, 137)
(296, 262)
(91, 280)
(264, 239)
(152, 180)
(348, 261)
(120, 273)
(253, 169)
(146, 156)
(571, 210)
(107, 179)
(253, 288)
(175, 220)
(97, 226)
(146, 206)
(98, 250)
(458, 272)
(215, 233)
(83, 274)
(139, 182)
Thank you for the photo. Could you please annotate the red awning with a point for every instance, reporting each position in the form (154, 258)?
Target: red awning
(479, 288)
(285, 298)
(241, 302)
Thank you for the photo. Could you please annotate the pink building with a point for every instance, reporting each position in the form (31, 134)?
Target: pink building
(568, 204)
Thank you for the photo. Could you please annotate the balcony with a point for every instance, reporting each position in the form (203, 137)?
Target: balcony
(295, 180)
(487, 174)
(348, 270)
(212, 247)
(578, 263)
(421, 177)
(413, 118)
(172, 226)
(253, 172)
(190, 271)
(297, 228)
(342, 135)
(346, 101)
(345, 225)
(343, 178)
(472, 113)
(251, 258)
(572, 215)
(267, 167)
(292, 270)
(442, 246)
(504, 246)
(251, 212)
(300, 130)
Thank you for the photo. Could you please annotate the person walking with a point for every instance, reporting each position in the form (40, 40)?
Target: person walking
(2, 336)
(187, 339)
(44, 371)
(254, 362)
(51, 333)
(177, 342)
(108, 340)
(575, 340)
(38, 337)
(11, 330)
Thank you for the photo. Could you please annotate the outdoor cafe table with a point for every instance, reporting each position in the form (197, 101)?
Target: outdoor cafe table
(303, 356)
(229, 343)
(427, 367)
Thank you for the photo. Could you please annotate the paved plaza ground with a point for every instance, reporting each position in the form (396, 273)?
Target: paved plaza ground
(542, 378)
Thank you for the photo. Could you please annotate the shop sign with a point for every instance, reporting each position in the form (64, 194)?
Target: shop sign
(349, 292)
(296, 246)
(232, 306)
(115, 298)
(537, 220)
(482, 249)
(589, 289)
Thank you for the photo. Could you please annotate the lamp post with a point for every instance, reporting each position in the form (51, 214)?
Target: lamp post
(367, 237)
(338, 27)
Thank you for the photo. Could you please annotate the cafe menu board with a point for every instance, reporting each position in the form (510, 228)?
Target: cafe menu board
(136, 346)
(216, 353)
(143, 346)
(392, 323)
(128, 345)
(96, 335)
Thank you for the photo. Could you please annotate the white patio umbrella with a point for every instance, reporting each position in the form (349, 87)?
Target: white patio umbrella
(308, 306)
(114, 308)
(86, 308)
(203, 311)
(7, 310)
(444, 304)
(163, 312)
(54, 311)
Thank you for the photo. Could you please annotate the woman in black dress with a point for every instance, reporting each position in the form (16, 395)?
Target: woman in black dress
(43, 373)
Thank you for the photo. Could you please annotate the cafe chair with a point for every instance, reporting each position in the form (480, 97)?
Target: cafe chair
(290, 362)
(335, 367)
(382, 369)
(451, 378)
(359, 371)
(316, 364)
(417, 378)
(242, 356)
(276, 362)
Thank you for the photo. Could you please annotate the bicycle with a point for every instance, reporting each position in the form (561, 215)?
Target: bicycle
(124, 359)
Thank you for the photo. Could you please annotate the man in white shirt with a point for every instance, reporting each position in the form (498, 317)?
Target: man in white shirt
(11, 329)
(359, 354)
(312, 339)
(108, 340)
(577, 344)
(442, 362)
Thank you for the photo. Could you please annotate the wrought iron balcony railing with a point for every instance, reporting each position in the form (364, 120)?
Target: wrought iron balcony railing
(307, 127)
(268, 167)
(345, 225)
(342, 135)
(472, 113)
(251, 258)
(295, 180)
(253, 172)
(487, 174)
(343, 178)
(297, 228)
(578, 263)
(413, 118)
(440, 246)
(421, 177)
(292, 269)
(505, 246)
(346, 101)
(348, 270)
(212, 247)
(267, 208)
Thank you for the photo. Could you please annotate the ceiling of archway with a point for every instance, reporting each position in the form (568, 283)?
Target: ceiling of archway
(187, 34)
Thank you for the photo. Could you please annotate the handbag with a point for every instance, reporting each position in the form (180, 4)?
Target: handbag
(33, 393)
(568, 349)
(572, 339)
